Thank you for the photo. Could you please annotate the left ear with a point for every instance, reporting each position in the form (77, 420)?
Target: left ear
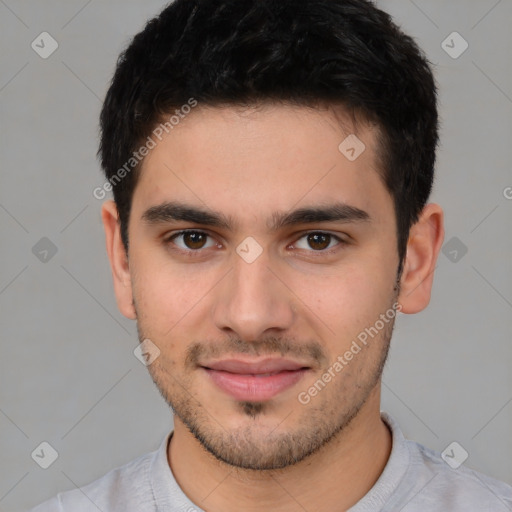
(425, 240)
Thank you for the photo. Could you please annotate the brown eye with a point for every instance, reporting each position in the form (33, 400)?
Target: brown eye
(192, 240)
(319, 241)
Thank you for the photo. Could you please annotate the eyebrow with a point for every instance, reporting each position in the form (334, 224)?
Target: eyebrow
(176, 211)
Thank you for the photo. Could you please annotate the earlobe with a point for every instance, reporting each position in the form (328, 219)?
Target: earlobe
(425, 241)
(118, 259)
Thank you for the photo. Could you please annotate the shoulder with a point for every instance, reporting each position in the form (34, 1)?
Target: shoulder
(456, 487)
(123, 489)
(417, 478)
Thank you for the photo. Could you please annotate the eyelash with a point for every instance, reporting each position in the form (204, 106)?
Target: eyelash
(197, 252)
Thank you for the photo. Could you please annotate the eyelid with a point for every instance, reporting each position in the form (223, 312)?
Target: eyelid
(298, 236)
(169, 238)
(341, 241)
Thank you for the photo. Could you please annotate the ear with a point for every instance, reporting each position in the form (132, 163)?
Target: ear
(118, 259)
(425, 240)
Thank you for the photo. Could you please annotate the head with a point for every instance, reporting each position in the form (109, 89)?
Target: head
(294, 141)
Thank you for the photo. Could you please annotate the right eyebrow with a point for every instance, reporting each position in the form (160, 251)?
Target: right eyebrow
(174, 211)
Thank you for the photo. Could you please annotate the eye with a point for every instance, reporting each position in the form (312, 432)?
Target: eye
(192, 240)
(318, 241)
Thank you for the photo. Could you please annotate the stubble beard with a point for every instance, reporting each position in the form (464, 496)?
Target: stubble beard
(258, 445)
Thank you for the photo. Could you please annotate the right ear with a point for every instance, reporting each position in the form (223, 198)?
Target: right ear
(118, 259)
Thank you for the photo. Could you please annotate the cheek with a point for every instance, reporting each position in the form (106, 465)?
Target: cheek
(349, 300)
(165, 294)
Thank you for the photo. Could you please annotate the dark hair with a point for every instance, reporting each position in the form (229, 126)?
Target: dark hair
(304, 52)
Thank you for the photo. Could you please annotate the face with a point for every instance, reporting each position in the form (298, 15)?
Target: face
(259, 254)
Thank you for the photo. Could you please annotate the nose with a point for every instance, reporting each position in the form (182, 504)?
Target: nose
(252, 301)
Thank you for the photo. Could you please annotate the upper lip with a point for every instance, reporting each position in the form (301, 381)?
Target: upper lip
(269, 365)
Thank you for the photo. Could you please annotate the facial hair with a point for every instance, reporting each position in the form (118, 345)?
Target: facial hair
(258, 444)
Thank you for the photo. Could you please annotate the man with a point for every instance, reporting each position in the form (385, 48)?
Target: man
(271, 164)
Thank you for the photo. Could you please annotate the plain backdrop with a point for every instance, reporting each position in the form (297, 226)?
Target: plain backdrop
(68, 375)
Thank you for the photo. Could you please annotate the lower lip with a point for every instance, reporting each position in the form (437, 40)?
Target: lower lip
(252, 388)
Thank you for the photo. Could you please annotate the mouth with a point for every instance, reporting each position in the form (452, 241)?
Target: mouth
(255, 380)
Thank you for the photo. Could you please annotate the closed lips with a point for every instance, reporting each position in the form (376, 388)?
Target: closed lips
(261, 368)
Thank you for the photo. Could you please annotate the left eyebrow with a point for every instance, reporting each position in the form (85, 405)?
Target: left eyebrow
(178, 211)
(337, 212)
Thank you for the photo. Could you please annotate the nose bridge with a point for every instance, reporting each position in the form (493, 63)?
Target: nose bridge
(252, 300)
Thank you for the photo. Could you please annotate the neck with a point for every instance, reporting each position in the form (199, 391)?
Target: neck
(334, 478)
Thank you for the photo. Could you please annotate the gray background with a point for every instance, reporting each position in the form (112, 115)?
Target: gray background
(68, 375)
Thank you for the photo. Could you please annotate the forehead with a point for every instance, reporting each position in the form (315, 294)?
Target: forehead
(247, 161)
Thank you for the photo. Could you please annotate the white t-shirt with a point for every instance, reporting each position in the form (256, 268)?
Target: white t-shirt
(415, 479)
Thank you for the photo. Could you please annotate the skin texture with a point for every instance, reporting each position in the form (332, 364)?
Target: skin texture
(295, 300)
